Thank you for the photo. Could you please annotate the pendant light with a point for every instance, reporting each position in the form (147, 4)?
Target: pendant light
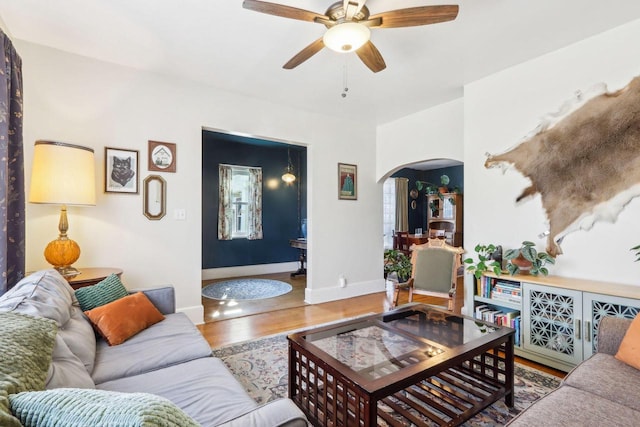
(288, 175)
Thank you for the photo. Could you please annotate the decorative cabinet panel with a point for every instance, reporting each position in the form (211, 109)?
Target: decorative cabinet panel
(597, 306)
(551, 322)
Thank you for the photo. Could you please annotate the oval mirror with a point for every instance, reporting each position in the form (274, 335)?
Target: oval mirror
(155, 192)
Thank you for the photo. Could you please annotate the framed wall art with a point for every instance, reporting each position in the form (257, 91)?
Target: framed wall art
(162, 156)
(347, 181)
(120, 170)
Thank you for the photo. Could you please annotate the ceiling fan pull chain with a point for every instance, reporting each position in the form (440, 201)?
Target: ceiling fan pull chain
(345, 85)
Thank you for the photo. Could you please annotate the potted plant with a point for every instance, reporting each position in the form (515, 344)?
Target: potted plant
(431, 188)
(444, 181)
(485, 261)
(526, 259)
(398, 263)
(637, 249)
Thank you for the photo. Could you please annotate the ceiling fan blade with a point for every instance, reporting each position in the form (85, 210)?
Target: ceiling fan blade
(371, 57)
(304, 54)
(350, 11)
(413, 16)
(281, 10)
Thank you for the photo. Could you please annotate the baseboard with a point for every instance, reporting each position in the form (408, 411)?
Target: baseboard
(249, 270)
(194, 313)
(317, 296)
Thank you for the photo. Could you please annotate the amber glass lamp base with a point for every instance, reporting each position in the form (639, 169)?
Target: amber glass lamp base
(61, 253)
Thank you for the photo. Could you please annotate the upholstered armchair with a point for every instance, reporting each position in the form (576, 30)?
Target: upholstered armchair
(434, 273)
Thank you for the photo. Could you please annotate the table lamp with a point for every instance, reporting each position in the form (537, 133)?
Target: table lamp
(63, 174)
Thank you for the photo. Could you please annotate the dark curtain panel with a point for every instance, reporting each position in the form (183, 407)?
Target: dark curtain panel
(12, 197)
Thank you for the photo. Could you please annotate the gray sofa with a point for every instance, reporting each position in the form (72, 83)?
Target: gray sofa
(601, 391)
(169, 359)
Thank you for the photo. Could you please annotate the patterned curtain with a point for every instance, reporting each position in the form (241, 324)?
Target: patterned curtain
(255, 204)
(12, 228)
(225, 212)
(402, 204)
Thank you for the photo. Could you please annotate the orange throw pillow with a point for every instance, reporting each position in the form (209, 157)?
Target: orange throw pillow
(629, 351)
(123, 318)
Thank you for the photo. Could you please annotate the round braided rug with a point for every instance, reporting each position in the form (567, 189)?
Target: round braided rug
(246, 289)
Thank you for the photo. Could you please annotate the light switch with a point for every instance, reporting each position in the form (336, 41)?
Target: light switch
(180, 214)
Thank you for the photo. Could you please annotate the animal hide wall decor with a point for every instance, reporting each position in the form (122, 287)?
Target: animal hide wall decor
(584, 160)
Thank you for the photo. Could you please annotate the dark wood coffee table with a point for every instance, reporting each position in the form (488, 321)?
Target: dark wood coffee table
(416, 364)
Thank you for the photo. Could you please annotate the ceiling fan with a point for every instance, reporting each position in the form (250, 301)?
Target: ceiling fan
(348, 25)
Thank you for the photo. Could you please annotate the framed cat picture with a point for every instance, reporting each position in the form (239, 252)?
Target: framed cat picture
(120, 170)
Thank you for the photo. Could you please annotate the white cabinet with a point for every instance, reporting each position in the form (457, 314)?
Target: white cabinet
(551, 322)
(560, 316)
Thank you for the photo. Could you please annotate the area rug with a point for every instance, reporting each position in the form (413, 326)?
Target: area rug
(261, 367)
(246, 289)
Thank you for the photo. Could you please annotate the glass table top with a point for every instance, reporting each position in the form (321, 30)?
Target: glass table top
(384, 344)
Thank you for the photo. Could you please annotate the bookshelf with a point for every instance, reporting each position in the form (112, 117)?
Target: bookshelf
(499, 301)
(556, 318)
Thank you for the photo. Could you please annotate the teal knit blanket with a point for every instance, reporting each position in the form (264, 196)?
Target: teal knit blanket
(26, 345)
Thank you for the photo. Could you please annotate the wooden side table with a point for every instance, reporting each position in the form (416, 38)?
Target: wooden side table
(92, 275)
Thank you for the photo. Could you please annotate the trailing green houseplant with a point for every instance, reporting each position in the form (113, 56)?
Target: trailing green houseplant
(637, 249)
(440, 190)
(525, 255)
(398, 263)
(484, 261)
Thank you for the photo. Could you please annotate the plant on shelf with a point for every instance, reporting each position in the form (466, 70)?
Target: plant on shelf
(398, 263)
(527, 259)
(484, 261)
(440, 190)
(637, 249)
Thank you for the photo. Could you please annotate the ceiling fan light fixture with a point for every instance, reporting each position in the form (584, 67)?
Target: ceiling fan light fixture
(346, 37)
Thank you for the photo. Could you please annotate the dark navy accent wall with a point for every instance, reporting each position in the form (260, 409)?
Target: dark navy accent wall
(283, 206)
(418, 216)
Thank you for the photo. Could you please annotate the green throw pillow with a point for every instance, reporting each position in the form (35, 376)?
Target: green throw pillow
(88, 407)
(26, 345)
(104, 292)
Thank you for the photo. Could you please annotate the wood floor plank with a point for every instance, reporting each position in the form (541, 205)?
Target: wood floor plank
(290, 312)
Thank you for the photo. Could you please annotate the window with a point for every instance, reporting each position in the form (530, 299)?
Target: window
(239, 202)
(240, 207)
(389, 211)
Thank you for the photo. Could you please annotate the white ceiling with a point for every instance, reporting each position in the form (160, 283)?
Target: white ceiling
(221, 44)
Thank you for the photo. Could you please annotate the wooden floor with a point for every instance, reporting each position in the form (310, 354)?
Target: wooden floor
(228, 331)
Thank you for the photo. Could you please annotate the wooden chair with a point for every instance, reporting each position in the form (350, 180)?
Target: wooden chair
(401, 242)
(435, 272)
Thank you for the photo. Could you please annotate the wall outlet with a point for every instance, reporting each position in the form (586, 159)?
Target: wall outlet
(180, 214)
(342, 281)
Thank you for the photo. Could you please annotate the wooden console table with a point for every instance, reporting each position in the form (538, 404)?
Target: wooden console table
(92, 275)
(302, 245)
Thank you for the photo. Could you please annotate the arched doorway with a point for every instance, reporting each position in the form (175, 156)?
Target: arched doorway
(422, 200)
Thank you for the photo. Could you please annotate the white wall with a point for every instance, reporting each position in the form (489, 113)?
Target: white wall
(436, 133)
(501, 109)
(87, 102)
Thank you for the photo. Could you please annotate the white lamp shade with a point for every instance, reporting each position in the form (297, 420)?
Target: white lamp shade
(62, 174)
(346, 37)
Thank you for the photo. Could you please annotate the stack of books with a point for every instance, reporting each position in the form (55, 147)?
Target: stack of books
(507, 291)
(499, 289)
(500, 317)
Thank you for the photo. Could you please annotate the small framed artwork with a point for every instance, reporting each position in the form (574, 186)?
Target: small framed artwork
(162, 156)
(347, 181)
(120, 170)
